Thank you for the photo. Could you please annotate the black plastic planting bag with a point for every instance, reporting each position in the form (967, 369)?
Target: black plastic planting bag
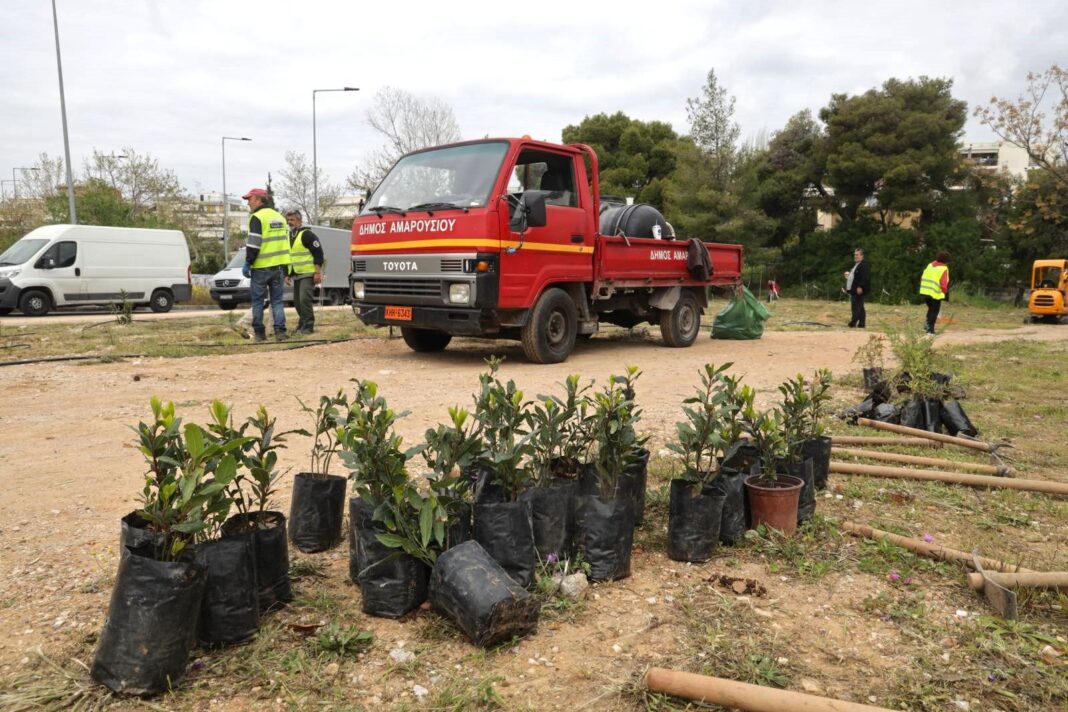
(735, 518)
(741, 456)
(632, 483)
(229, 612)
(693, 522)
(743, 318)
(360, 517)
(588, 482)
(806, 503)
(872, 378)
(956, 420)
(459, 527)
(932, 414)
(272, 555)
(506, 533)
(886, 413)
(135, 534)
(316, 511)
(604, 534)
(472, 590)
(392, 583)
(862, 409)
(912, 413)
(550, 516)
(819, 451)
(151, 625)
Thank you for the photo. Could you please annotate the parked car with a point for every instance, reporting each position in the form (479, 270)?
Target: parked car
(58, 266)
(229, 288)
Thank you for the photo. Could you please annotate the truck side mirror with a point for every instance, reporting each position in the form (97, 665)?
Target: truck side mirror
(46, 263)
(530, 212)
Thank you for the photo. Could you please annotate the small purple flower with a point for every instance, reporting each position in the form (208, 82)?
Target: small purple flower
(928, 538)
(552, 558)
(893, 575)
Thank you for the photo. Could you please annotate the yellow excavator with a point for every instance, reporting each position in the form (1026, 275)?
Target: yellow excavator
(1049, 290)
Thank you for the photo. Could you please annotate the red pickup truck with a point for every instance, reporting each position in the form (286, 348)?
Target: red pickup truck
(510, 238)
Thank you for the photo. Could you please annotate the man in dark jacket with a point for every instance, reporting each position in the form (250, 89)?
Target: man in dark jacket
(858, 284)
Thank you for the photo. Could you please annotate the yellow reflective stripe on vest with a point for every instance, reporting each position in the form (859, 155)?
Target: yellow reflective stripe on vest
(274, 239)
(931, 281)
(300, 257)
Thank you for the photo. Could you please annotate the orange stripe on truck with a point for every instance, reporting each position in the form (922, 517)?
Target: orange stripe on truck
(490, 244)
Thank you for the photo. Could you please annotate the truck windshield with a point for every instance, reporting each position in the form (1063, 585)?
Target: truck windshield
(1047, 277)
(21, 251)
(237, 260)
(456, 176)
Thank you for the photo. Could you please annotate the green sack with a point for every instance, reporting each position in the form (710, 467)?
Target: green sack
(743, 318)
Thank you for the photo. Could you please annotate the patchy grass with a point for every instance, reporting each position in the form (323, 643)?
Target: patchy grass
(168, 338)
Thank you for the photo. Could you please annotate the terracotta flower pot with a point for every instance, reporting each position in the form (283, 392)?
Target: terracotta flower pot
(773, 502)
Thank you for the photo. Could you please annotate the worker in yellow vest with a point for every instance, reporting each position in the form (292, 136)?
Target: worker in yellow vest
(266, 262)
(305, 269)
(934, 287)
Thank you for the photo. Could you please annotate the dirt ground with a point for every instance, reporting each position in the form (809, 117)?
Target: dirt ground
(69, 472)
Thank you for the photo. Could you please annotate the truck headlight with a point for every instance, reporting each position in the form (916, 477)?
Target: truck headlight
(460, 293)
(10, 274)
(357, 290)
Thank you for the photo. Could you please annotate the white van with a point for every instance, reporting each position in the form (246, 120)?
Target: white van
(72, 265)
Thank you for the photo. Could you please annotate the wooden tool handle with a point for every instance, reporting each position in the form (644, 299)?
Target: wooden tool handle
(743, 696)
(1052, 579)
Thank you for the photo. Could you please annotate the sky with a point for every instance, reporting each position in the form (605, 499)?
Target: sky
(172, 78)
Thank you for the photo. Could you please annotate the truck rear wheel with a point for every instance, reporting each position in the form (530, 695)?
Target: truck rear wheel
(162, 301)
(425, 340)
(680, 326)
(549, 334)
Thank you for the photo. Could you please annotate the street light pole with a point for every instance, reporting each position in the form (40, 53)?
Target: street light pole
(63, 110)
(226, 199)
(315, 156)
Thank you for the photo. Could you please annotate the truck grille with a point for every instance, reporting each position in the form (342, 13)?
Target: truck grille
(388, 288)
(359, 265)
(450, 265)
(1044, 300)
(226, 283)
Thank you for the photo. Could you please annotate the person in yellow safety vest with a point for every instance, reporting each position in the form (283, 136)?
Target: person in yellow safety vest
(305, 269)
(266, 262)
(934, 286)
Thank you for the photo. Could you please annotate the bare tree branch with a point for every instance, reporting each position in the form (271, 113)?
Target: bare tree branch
(407, 123)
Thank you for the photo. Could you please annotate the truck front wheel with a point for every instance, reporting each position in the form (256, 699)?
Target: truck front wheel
(35, 303)
(549, 334)
(425, 340)
(680, 326)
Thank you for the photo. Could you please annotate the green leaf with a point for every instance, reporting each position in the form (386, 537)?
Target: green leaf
(426, 521)
(393, 541)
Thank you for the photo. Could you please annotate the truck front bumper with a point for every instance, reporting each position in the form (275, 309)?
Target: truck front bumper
(231, 296)
(9, 294)
(451, 320)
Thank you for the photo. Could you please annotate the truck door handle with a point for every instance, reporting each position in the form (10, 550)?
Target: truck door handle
(77, 271)
(577, 239)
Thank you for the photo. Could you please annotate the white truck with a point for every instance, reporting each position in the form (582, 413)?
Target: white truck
(58, 266)
(230, 289)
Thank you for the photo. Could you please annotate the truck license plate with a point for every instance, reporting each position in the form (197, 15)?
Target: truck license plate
(399, 313)
(225, 296)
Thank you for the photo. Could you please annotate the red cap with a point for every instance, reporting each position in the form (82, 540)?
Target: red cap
(255, 191)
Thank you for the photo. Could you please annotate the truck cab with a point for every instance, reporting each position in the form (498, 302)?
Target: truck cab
(501, 238)
(1049, 290)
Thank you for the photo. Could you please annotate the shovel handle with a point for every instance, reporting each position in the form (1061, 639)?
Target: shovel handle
(1052, 579)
